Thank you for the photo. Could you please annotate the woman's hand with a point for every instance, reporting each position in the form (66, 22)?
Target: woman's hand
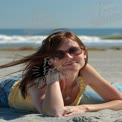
(72, 110)
(53, 76)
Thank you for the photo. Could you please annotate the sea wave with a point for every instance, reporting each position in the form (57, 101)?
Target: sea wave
(17, 41)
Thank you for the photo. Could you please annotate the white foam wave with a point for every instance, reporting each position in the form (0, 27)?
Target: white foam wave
(16, 39)
(20, 41)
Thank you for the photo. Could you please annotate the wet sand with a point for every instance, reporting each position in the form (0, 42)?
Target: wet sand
(107, 62)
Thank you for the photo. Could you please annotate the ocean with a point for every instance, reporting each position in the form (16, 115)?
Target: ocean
(92, 38)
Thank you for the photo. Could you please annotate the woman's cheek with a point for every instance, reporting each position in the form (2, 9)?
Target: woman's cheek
(81, 61)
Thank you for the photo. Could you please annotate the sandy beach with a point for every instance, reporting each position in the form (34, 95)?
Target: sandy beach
(107, 62)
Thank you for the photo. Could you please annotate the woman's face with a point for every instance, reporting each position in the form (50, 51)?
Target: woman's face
(70, 63)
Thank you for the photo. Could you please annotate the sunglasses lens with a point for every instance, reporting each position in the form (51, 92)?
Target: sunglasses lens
(74, 51)
(58, 54)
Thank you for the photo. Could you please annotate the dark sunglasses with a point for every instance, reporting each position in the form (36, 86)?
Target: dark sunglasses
(60, 54)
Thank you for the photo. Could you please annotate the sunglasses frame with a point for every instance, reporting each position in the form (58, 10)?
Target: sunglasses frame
(66, 51)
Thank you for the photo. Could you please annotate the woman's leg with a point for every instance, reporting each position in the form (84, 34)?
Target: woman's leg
(91, 97)
(5, 86)
(118, 86)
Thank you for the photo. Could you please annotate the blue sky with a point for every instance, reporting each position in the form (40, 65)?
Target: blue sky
(60, 13)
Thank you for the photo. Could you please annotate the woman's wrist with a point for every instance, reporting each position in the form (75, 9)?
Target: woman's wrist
(92, 108)
(85, 108)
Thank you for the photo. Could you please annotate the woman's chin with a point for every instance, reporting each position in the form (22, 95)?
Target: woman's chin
(71, 70)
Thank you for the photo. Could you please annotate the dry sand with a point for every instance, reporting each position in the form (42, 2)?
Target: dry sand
(108, 63)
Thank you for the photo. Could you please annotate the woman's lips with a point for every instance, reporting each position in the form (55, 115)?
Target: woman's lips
(69, 63)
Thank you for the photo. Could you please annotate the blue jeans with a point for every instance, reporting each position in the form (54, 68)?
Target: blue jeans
(5, 86)
(91, 97)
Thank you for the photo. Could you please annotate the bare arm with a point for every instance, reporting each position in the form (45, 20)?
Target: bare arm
(53, 103)
(50, 103)
(99, 84)
(113, 105)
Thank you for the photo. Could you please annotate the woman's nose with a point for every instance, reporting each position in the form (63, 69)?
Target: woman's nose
(68, 55)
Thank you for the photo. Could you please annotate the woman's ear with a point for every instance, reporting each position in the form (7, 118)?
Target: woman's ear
(84, 56)
(85, 53)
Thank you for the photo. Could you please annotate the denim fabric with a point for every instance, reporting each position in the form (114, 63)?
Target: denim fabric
(5, 86)
(118, 86)
(91, 97)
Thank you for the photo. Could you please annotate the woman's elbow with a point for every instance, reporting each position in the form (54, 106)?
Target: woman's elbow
(55, 112)
(119, 97)
(58, 114)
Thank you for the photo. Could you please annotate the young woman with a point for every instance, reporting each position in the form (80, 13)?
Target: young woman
(55, 78)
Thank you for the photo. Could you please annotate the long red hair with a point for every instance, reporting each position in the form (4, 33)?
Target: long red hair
(48, 46)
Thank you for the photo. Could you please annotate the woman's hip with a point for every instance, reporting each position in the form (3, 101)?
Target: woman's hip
(5, 87)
